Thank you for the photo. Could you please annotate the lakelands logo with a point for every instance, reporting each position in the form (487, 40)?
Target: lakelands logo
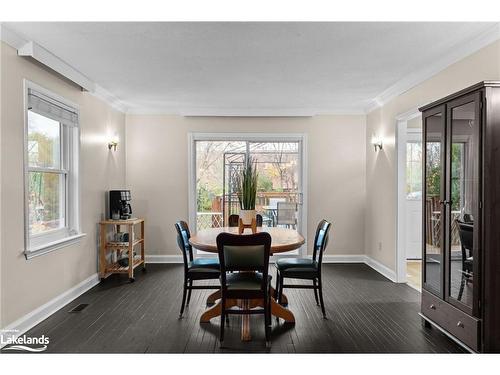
(14, 342)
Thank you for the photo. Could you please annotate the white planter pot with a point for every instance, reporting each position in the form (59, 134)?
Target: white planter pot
(247, 216)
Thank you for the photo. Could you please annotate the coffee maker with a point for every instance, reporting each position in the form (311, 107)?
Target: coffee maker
(119, 204)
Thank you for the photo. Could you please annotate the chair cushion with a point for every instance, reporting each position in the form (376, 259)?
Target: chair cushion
(300, 268)
(296, 263)
(244, 281)
(204, 265)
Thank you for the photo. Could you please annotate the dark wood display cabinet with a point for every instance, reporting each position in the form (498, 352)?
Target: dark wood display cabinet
(461, 216)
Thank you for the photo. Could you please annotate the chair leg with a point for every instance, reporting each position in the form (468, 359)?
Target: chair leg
(222, 320)
(322, 303)
(315, 292)
(190, 283)
(280, 292)
(183, 298)
(462, 285)
(277, 284)
(267, 313)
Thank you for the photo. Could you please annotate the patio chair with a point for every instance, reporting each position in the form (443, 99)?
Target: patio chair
(287, 214)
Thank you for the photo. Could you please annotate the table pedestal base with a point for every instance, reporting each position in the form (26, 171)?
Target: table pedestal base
(212, 298)
(276, 310)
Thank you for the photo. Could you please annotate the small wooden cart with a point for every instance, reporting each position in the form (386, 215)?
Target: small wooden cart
(107, 268)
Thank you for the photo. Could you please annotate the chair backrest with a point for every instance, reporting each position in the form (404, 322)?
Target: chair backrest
(259, 220)
(468, 218)
(233, 220)
(286, 213)
(244, 253)
(321, 240)
(183, 236)
(465, 231)
(273, 202)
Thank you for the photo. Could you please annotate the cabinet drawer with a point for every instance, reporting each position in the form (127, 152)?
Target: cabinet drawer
(461, 325)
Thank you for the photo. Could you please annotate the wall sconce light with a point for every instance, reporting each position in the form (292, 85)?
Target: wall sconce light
(113, 143)
(377, 142)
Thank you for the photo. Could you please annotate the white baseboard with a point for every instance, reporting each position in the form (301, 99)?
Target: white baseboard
(163, 259)
(41, 313)
(380, 268)
(344, 258)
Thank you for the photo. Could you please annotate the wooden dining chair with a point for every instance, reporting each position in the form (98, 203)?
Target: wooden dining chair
(194, 269)
(244, 263)
(305, 268)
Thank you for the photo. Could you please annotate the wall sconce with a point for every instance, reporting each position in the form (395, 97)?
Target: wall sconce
(377, 142)
(113, 143)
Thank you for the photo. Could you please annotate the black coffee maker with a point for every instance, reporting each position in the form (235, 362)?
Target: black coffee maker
(119, 204)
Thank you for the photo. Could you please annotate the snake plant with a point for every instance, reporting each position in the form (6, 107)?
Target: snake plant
(246, 185)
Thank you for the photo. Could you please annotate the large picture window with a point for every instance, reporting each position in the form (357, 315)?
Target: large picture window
(51, 172)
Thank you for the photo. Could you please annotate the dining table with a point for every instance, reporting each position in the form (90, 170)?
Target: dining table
(282, 240)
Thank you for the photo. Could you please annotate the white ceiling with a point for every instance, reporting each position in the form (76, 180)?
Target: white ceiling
(256, 68)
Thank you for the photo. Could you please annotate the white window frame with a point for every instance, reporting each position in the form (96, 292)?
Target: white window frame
(256, 137)
(39, 244)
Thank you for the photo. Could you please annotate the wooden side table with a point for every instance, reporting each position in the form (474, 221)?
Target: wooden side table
(108, 268)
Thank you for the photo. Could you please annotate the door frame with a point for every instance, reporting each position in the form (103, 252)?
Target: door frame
(401, 139)
(257, 137)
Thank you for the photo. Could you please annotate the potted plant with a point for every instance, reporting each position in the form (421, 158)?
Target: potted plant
(246, 187)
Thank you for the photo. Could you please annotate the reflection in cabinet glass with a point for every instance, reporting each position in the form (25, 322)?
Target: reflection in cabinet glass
(463, 188)
(434, 140)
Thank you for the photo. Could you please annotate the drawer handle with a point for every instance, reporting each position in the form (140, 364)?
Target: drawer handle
(460, 324)
(432, 307)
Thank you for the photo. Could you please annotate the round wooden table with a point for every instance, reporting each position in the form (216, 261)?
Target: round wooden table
(282, 240)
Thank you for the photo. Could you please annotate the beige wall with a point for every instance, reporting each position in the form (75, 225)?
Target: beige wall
(27, 284)
(157, 159)
(381, 166)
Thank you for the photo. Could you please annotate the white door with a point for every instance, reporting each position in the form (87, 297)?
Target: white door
(413, 229)
(413, 197)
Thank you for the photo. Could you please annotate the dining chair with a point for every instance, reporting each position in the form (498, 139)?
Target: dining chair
(194, 269)
(286, 214)
(305, 268)
(465, 232)
(244, 263)
(233, 220)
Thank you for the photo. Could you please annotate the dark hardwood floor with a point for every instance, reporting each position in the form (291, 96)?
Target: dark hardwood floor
(366, 314)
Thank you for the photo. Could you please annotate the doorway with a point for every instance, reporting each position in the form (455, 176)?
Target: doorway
(409, 249)
(215, 161)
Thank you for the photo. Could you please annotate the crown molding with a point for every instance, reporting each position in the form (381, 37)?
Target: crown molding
(244, 111)
(458, 53)
(103, 94)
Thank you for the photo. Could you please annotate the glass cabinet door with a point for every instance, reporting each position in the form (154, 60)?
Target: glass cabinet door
(462, 195)
(433, 210)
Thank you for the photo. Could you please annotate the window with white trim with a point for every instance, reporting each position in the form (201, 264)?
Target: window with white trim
(51, 172)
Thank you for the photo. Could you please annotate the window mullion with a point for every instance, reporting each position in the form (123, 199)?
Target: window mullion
(47, 170)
